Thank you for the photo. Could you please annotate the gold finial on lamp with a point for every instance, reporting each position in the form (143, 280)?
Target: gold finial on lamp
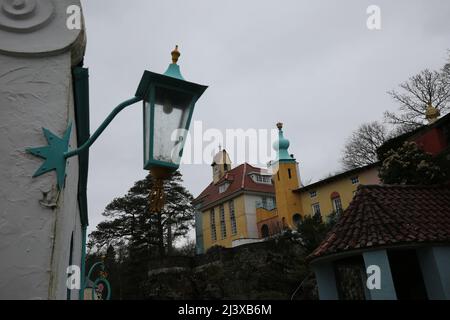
(175, 54)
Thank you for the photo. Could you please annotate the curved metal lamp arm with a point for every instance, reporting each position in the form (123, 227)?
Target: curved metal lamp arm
(102, 127)
(57, 151)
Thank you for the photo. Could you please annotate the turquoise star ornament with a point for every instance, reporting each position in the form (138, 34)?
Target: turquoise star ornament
(54, 155)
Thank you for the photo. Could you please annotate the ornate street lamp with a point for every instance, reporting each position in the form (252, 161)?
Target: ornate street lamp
(169, 103)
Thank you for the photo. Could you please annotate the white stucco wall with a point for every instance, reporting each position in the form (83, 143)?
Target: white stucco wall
(34, 237)
(36, 221)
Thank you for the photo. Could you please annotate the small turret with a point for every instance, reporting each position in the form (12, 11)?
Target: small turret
(221, 164)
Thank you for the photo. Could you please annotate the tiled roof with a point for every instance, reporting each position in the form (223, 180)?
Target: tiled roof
(389, 215)
(239, 180)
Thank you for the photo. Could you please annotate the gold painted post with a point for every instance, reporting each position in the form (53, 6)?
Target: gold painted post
(157, 201)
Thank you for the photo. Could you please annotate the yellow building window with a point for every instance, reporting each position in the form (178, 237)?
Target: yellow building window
(354, 180)
(223, 226)
(337, 204)
(232, 218)
(212, 219)
(316, 209)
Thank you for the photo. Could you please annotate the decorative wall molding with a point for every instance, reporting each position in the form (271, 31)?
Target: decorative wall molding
(25, 15)
(39, 28)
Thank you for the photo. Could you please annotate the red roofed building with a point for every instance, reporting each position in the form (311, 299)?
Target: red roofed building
(226, 208)
(400, 234)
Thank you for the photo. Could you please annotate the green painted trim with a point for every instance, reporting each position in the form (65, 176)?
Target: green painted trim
(83, 262)
(143, 131)
(152, 122)
(81, 100)
(149, 78)
(174, 71)
(158, 163)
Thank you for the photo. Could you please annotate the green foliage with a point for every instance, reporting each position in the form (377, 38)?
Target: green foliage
(313, 229)
(410, 165)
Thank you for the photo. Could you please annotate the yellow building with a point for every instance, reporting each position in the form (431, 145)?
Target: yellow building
(335, 193)
(226, 209)
(247, 203)
(294, 200)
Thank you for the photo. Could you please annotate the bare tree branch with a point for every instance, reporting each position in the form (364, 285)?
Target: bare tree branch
(361, 147)
(427, 87)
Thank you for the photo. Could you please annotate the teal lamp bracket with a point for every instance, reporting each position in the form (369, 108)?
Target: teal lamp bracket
(57, 151)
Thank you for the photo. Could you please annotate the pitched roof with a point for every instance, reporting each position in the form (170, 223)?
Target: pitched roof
(389, 215)
(337, 177)
(239, 180)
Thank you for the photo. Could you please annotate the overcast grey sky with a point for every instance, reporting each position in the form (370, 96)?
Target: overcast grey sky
(313, 65)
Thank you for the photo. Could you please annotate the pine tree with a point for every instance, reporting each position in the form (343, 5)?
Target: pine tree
(131, 223)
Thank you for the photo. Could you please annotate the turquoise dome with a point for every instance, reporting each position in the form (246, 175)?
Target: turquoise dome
(281, 145)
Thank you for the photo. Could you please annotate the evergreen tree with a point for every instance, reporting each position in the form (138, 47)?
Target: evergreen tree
(313, 229)
(131, 223)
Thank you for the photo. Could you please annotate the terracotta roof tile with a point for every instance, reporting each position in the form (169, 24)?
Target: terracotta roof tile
(383, 215)
(239, 179)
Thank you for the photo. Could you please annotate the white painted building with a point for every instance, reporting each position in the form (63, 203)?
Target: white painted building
(41, 228)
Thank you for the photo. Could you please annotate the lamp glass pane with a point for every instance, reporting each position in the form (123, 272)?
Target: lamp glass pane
(171, 114)
(146, 131)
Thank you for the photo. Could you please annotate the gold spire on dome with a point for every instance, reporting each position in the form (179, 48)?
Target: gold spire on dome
(175, 55)
(431, 113)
